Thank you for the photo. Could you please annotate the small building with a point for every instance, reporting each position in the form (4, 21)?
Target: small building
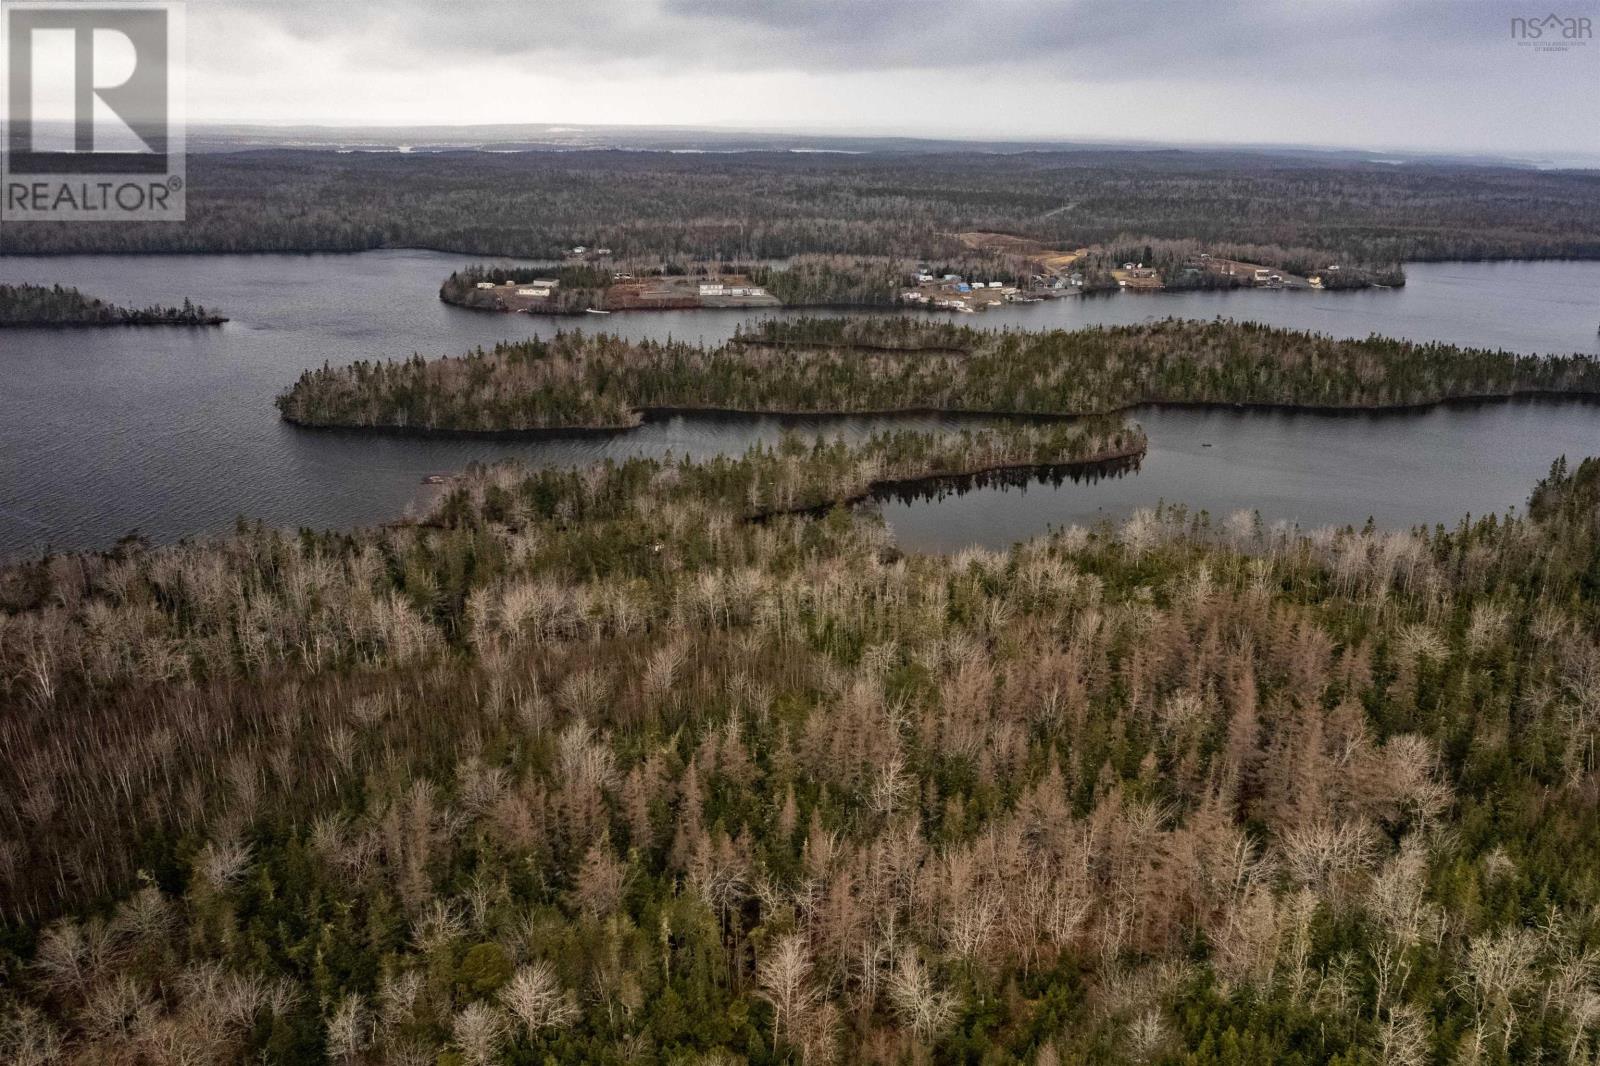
(1263, 274)
(1316, 282)
(963, 287)
(485, 284)
(952, 277)
(534, 290)
(997, 284)
(602, 251)
(709, 289)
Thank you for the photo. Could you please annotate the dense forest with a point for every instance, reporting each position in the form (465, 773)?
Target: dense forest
(590, 768)
(761, 205)
(817, 281)
(40, 305)
(831, 365)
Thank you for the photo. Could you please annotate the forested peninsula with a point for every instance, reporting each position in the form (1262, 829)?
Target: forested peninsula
(587, 767)
(56, 305)
(578, 380)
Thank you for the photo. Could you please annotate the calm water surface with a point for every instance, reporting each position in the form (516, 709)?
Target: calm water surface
(171, 432)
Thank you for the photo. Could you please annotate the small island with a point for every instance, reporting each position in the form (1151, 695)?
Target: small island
(58, 305)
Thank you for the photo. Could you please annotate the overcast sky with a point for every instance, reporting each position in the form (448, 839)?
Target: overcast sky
(1438, 75)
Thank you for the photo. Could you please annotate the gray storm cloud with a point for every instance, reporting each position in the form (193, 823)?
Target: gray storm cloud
(1437, 74)
(1102, 37)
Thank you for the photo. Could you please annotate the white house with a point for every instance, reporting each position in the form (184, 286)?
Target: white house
(485, 284)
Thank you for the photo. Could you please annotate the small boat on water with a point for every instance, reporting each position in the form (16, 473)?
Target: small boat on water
(595, 311)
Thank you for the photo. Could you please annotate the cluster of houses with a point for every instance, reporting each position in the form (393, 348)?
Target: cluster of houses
(536, 287)
(1259, 276)
(717, 288)
(952, 292)
(945, 303)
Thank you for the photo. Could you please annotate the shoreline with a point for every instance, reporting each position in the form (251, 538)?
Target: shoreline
(933, 480)
(1106, 458)
(887, 307)
(687, 304)
(203, 323)
(650, 413)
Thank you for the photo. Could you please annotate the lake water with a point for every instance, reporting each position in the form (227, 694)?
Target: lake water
(172, 431)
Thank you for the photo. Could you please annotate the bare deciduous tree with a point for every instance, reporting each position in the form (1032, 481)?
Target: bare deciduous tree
(349, 1028)
(917, 1000)
(536, 999)
(784, 977)
(477, 1031)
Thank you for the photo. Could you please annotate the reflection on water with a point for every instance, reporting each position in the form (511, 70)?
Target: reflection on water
(172, 431)
(937, 490)
(1400, 469)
